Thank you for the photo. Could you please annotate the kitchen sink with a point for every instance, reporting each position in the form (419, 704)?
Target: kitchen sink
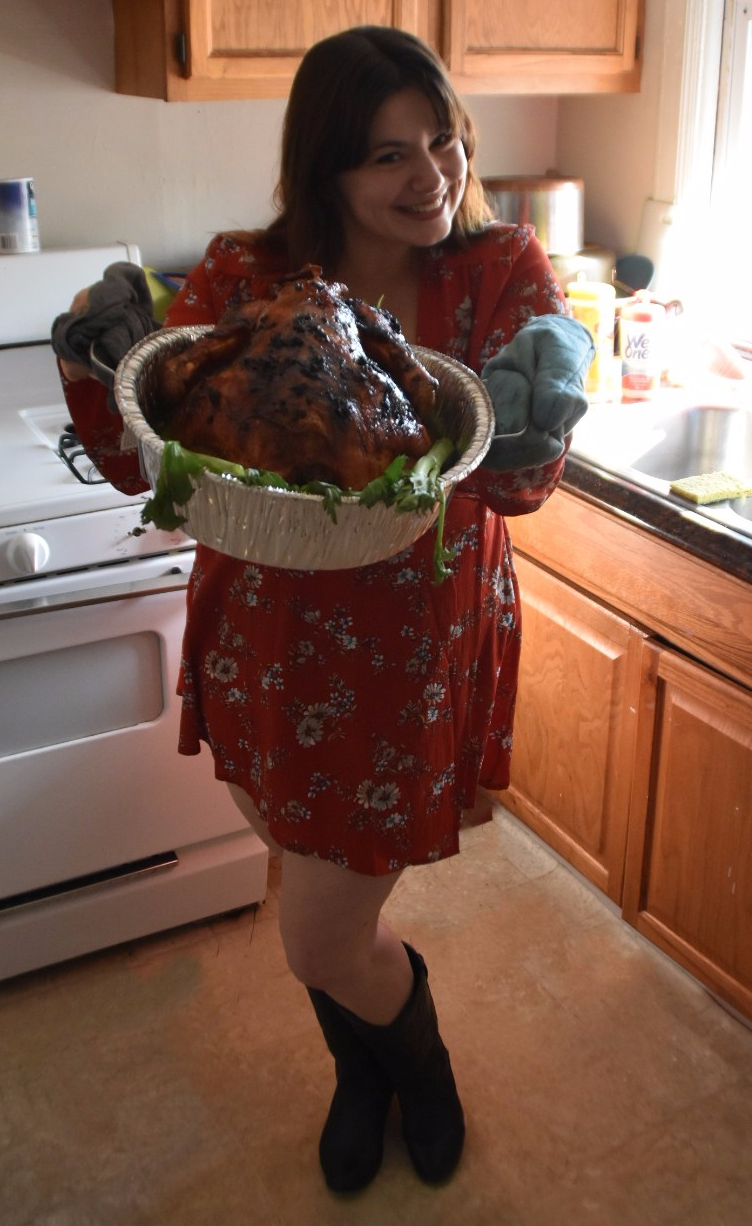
(703, 439)
(652, 443)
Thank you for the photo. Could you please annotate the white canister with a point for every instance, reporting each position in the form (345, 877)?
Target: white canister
(19, 233)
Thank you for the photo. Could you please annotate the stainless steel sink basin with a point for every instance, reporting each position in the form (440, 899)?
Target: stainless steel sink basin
(653, 443)
(700, 440)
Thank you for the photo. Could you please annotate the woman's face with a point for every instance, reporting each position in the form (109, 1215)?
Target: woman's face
(408, 189)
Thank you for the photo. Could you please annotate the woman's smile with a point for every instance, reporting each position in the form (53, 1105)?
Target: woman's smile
(428, 209)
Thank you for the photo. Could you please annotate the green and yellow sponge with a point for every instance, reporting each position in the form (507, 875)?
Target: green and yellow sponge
(711, 487)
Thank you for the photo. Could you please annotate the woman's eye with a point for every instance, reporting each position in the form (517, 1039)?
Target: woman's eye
(384, 159)
(443, 138)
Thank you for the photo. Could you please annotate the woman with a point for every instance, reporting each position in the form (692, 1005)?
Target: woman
(354, 713)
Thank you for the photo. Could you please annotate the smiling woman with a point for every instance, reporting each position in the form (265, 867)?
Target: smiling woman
(401, 200)
(359, 709)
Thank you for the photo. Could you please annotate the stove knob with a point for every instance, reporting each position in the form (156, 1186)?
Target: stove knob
(27, 553)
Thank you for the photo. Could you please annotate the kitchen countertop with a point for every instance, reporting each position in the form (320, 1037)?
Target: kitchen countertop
(687, 529)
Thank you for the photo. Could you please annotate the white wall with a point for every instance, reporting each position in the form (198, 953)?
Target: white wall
(166, 175)
(610, 141)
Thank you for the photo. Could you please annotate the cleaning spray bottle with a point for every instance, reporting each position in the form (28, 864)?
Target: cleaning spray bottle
(641, 346)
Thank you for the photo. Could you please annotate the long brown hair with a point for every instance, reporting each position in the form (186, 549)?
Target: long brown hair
(340, 84)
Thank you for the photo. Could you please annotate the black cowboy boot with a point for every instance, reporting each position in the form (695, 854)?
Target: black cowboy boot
(416, 1063)
(352, 1142)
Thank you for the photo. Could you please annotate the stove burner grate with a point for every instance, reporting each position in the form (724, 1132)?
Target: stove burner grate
(75, 458)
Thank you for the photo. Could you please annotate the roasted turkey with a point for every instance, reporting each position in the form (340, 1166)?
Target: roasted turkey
(309, 383)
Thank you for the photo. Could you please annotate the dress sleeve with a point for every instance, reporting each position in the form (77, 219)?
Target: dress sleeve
(510, 294)
(195, 302)
(99, 429)
(100, 432)
(518, 492)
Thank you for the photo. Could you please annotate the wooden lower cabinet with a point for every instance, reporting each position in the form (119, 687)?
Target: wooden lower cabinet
(583, 679)
(688, 883)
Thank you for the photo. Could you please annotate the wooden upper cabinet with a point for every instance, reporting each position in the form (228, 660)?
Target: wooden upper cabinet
(194, 50)
(572, 46)
(199, 50)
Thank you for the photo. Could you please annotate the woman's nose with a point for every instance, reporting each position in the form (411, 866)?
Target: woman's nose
(427, 174)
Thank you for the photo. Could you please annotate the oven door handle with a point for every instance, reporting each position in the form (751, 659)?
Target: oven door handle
(172, 581)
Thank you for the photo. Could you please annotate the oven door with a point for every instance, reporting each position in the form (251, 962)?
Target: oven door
(90, 777)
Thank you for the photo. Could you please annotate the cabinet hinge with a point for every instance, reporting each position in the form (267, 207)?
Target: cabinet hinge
(181, 49)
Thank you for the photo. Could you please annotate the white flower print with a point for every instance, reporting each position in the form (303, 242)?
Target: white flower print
(319, 783)
(252, 576)
(434, 692)
(464, 316)
(296, 812)
(222, 668)
(377, 795)
(503, 586)
(310, 728)
(273, 677)
(385, 796)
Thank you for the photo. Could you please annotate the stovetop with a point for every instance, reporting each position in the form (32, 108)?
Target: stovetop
(52, 522)
(37, 484)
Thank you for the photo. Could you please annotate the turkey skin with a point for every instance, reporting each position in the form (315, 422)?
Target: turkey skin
(309, 383)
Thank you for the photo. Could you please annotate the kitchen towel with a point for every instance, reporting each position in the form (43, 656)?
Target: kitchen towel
(119, 313)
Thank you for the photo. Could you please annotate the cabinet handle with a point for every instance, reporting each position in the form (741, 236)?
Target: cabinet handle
(180, 44)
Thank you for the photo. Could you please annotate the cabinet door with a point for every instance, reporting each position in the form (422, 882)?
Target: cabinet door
(533, 46)
(212, 49)
(688, 885)
(583, 676)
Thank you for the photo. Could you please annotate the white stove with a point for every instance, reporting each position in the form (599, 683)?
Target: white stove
(47, 481)
(106, 834)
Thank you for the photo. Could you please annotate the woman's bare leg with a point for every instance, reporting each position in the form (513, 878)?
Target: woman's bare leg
(253, 817)
(336, 941)
(332, 932)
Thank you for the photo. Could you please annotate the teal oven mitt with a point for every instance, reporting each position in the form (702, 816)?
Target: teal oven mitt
(537, 387)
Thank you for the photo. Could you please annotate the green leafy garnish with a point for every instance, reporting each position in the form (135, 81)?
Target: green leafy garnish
(384, 488)
(420, 489)
(174, 485)
(416, 489)
(331, 494)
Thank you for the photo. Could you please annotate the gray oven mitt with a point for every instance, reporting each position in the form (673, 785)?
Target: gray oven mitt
(118, 315)
(537, 387)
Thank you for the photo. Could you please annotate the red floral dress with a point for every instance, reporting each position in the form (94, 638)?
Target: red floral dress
(361, 708)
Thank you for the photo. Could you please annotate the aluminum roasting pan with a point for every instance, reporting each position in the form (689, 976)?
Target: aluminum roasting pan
(282, 527)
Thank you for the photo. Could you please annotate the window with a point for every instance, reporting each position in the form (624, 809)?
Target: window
(704, 165)
(731, 191)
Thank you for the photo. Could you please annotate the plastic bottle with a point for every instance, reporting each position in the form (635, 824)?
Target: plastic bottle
(641, 347)
(593, 303)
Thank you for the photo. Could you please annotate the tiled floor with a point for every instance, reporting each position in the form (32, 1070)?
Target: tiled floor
(182, 1081)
